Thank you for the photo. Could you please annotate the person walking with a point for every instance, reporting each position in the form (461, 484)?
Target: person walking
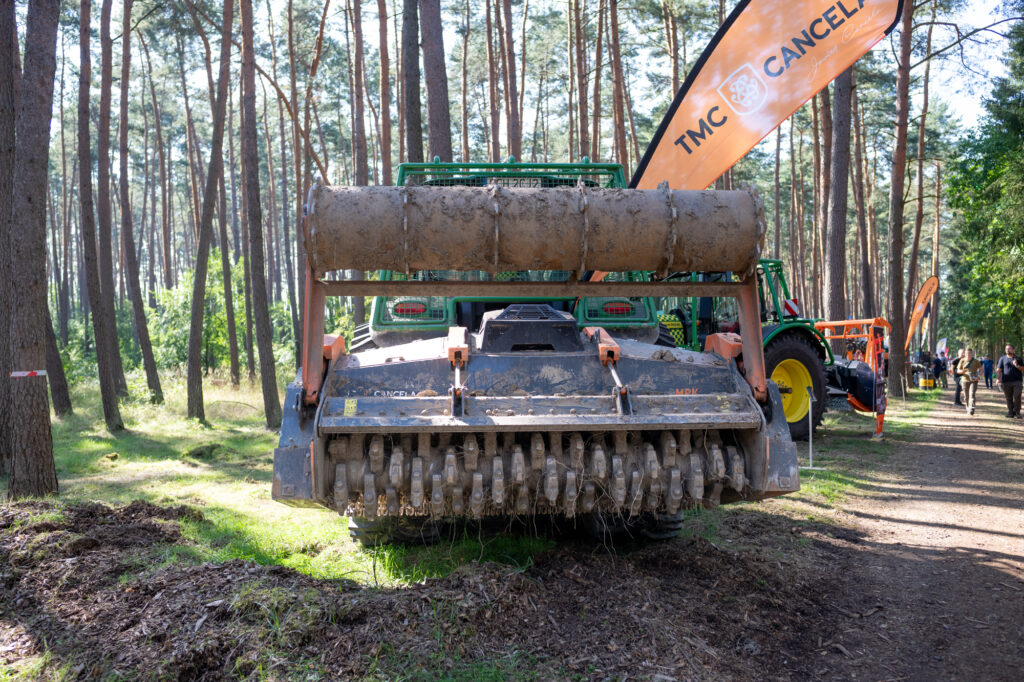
(1010, 375)
(969, 373)
(956, 379)
(988, 365)
(939, 370)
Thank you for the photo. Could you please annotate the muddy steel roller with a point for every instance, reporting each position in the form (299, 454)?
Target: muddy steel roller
(499, 377)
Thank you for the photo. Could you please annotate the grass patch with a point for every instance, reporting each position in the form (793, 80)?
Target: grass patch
(847, 453)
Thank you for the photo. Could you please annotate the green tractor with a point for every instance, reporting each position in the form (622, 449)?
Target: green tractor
(795, 353)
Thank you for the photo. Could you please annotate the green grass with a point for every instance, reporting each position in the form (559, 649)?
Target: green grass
(231, 488)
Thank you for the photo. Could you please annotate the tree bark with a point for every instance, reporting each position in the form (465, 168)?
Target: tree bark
(835, 247)
(103, 198)
(32, 471)
(579, 40)
(934, 326)
(411, 82)
(358, 95)
(895, 302)
(195, 335)
(919, 214)
(595, 144)
(55, 373)
(619, 96)
(778, 194)
(385, 93)
(8, 116)
(87, 226)
(515, 126)
(867, 295)
(261, 315)
(465, 84)
(439, 125)
(492, 88)
(156, 394)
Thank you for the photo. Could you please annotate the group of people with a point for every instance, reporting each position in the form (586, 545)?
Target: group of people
(967, 371)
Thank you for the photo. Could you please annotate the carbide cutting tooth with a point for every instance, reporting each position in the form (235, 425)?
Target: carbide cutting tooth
(715, 469)
(537, 452)
(618, 482)
(518, 466)
(684, 442)
(570, 493)
(675, 491)
(340, 487)
(695, 477)
(621, 443)
(588, 497)
(377, 454)
(498, 482)
(636, 493)
(437, 496)
(470, 453)
(451, 469)
(396, 468)
(476, 498)
(423, 445)
(651, 463)
(576, 451)
(668, 446)
(392, 496)
(551, 480)
(734, 464)
(416, 492)
(369, 498)
(522, 500)
(491, 443)
(457, 500)
(598, 463)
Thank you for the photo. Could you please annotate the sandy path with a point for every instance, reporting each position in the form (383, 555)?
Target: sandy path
(938, 590)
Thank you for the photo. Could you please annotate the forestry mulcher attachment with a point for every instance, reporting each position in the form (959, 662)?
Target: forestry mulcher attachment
(497, 380)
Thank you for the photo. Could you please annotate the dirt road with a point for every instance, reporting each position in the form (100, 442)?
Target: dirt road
(940, 562)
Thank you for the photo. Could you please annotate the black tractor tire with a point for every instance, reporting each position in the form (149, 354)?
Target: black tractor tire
(612, 530)
(401, 530)
(665, 337)
(793, 347)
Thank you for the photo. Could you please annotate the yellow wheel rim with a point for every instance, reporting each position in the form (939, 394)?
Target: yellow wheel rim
(793, 380)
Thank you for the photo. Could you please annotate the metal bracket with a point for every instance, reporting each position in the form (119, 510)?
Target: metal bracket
(458, 355)
(608, 353)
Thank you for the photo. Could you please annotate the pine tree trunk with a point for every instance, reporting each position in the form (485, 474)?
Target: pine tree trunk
(579, 43)
(156, 394)
(492, 88)
(103, 199)
(934, 327)
(32, 470)
(778, 195)
(835, 247)
(619, 96)
(385, 93)
(87, 226)
(894, 298)
(867, 296)
(595, 144)
(55, 373)
(195, 335)
(8, 116)
(439, 125)
(411, 82)
(261, 315)
(919, 214)
(465, 85)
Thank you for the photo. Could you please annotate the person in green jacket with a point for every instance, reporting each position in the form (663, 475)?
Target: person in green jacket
(969, 373)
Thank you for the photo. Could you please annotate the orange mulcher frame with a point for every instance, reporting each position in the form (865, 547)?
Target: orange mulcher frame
(873, 331)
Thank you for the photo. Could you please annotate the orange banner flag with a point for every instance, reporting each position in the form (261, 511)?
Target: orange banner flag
(928, 289)
(765, 62)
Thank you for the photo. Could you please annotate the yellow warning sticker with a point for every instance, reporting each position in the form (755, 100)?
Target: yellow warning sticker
(350, 407)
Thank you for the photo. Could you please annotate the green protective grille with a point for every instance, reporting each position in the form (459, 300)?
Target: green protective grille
(512, 174)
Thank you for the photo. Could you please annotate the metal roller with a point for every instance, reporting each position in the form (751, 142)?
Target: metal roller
(501, 229)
